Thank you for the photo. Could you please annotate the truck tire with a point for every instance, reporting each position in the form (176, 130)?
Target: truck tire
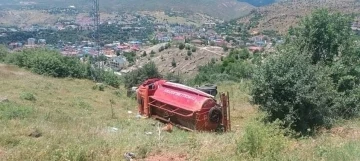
(215, 115)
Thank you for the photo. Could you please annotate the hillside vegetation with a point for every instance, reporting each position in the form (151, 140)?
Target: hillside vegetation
(280, 16)
(76, 122)
(305, 94)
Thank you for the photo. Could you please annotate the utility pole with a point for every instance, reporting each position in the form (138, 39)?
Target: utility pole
(95, 14)
(96, 19)
(96, 27)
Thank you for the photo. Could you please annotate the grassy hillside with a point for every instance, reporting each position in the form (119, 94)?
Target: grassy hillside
(76, 123)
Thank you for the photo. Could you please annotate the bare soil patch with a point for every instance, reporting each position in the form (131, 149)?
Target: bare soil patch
(166, 157)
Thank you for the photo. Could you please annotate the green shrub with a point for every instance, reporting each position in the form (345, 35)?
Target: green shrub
(189, 53)
(229, 69)
(225, 48)
(264, 141)
(47, 62)
(308, 84)
(118, 93)
(162, 48)
(51, 63)
(101, 87)
(144, 54)
(289, 88)
(106, 77)
(136, 77)
(10, 111)
(168, 45)
(173, 63)
(193, 49)
(130, 56)
(344, 151)
(28, 96)
(324, 35)
(152, 53)
(83, 105)
(181, 46)
(244, 54)
(111, 79)
(3, 53)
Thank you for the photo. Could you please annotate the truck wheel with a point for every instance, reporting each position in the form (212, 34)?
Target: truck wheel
(215, 115)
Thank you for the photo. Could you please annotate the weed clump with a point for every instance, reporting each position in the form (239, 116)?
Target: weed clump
(28, 96)
(99, 86)
(9, 111)
(262, 140)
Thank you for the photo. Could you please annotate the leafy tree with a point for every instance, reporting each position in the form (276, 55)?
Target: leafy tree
(225, 48)
(289, 88)
(314, 79)
(173, 63)
(323, 35)
(193, 49)
(244, 54)
(291, 31)
(130, 56)
(230, 69)
(52, 63)
(167, 45)
(162, 48)
(3, 53)
(181, 46)
(138, 76)
(189, 53)
(102, 58)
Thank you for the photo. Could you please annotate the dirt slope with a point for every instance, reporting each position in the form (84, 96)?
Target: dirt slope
(186, 68)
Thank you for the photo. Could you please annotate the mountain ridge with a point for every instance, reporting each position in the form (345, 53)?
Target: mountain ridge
(223, 9)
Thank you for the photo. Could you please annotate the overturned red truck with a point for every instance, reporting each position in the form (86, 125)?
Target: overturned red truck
(186, 107)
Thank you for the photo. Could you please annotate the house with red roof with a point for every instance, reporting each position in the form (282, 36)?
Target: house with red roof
(178, 39)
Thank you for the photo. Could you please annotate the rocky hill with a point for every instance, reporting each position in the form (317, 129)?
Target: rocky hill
(280, 16)
(258, 3)
(186, 64)
(224, 9)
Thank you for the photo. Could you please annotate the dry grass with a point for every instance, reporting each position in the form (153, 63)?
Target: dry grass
(76, 124)
(26, 17)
